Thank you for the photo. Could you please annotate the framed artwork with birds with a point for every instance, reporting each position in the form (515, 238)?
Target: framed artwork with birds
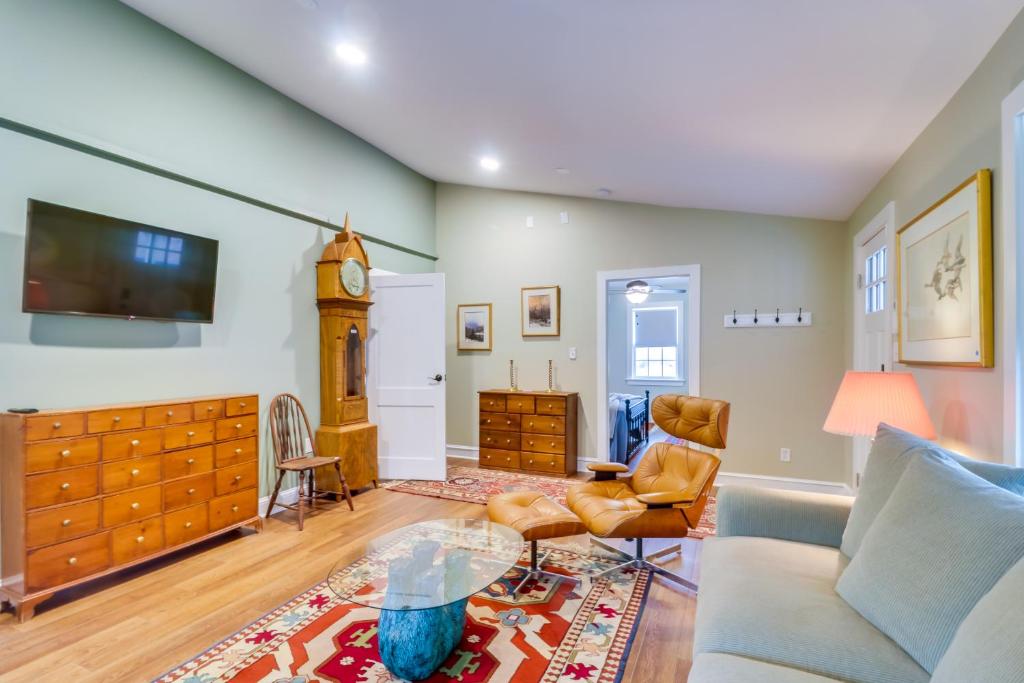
(944, 279)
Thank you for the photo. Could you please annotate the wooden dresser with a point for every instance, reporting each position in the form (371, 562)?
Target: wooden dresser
(91, 491)
(528, 431)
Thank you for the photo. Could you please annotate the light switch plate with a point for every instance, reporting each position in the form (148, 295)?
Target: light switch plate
(572, 353)
(563, 217)
(529, 221)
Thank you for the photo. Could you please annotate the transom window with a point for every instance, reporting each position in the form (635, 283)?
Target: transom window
(655, 342)
(158, 250)
(874, 281)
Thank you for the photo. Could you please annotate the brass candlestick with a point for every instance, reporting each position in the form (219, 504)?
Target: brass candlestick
(511, 375)
(550, 377)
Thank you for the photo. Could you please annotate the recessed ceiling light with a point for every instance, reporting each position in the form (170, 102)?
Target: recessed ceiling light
(562, 171)
(489, 163)
(350, 54)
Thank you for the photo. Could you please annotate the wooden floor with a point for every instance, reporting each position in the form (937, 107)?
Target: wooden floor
(144, 621)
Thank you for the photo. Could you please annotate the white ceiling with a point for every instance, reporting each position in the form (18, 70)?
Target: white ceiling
(794, 107)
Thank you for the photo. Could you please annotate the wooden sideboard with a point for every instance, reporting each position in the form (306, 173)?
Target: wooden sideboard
(528, 431)
(90, 491)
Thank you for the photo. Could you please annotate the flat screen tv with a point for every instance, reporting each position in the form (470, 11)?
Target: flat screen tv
(82, 263)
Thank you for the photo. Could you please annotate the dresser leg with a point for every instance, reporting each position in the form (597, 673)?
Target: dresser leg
(257, 524)
(26, 609)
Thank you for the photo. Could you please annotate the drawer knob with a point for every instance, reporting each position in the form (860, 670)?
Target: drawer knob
(72, 560)
(66, 522)
(238, 477)
(508, 422)
(490, 403)
(65, 453)
(117, 418)
(188, 525)
(135, 506)
(241, 404)
(135, 442)
(531, 443)
(191, 461)
(487, 421)
(552, 444)
(65, 486)
(531, 462)
(238, 451)
(531, 424)
(140, 539)
(508, 440)
(552, 425)
(190, 491)
(135, 472)
(190, 433)
(170, 413)
(209, 409)
(234, 508)
(509, 459)
(56, 425)
(238, 426)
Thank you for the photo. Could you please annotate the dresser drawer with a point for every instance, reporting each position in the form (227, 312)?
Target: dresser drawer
(114, 420)
(227, 510)
(519, 404)
(544, 443)
(46, 527)
(543, 462)
(192, 434)
(234, 452)
(188, 462)
(503, 422)
(184, 525)
(137, 540)
(131, 473)
(208, 410)
(508, 441)
(62, 486)
(492, 403)
(551, 405)
(132, 444)
(158, 416)
(237, 477)
(497, 458)
(235, 427)
(544, 424)
(54, 426)
(132, 506)
(53, 455)
(182, 493)
(57, 564)
(243, 405)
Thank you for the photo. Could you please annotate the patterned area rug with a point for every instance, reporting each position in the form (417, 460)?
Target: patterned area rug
(473, 485)
(555, 632)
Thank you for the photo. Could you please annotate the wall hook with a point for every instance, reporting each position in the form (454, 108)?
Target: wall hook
(755, 316)
(800, 315)
(734, 316)
(776, 316)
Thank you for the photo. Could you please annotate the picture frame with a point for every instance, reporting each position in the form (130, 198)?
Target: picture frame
(541, 311)
(944, 280)
(473, 327)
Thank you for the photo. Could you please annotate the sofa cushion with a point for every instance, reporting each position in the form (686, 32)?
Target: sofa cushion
(890, 453)
(774, 601)
(944, 538)
(718, 668)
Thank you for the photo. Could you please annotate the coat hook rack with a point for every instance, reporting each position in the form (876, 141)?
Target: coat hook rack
(798, 318)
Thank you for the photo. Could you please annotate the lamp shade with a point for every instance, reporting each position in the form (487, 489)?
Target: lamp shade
(866, 398)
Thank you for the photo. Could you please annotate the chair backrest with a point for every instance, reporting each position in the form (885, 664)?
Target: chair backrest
(691, 418)
(289, 428)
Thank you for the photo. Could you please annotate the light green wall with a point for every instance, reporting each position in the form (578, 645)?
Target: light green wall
(965, 404)
(97, 71)
(781, 382)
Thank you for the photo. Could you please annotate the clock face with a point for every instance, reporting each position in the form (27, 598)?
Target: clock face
(353, 277)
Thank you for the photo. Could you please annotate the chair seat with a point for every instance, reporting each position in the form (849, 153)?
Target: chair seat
(297, 464)
(610, 509)
(534, 515)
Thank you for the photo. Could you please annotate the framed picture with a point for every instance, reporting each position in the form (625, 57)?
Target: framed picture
(473, 327)
(944, 279)
(541, 311)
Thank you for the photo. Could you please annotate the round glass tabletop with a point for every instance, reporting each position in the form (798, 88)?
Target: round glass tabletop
(428, 565)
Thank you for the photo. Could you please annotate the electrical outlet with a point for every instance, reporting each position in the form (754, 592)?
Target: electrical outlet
(572, 353)
(529, 221)
(784, 454)
(563, 217)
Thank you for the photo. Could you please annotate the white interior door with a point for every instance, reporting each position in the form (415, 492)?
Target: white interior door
(406, 357)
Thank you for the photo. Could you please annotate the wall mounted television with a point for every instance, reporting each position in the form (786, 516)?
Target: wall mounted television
(82, 263)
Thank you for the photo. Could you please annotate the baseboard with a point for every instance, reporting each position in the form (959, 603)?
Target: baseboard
(465, 452)
(789, 483)
(288, 496)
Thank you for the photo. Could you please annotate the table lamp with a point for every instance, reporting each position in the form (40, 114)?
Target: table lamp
(866, 398)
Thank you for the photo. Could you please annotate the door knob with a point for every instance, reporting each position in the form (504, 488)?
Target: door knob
(437, 378)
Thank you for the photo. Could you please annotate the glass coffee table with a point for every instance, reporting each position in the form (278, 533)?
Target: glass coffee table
(420, 577)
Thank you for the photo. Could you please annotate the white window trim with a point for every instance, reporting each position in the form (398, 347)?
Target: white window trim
(680, 309)
(1007, 269)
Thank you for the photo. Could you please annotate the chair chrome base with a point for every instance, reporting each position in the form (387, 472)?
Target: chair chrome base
(536, 572)
(639, 561)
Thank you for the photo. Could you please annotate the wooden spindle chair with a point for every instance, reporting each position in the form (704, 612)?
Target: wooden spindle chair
(289, 428)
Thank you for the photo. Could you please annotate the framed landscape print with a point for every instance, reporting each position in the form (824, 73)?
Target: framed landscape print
(473, 327)
(944, 279)
(541, 311)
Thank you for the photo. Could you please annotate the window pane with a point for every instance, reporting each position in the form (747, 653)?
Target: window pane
(142, 254)
(881, 295)
(641, 369)
(655, 368)
(668, 353)
(160, 241)
(159, 256)
(145, 239)
(669, 368)
(173, 258)
(655, 353)
(641, 353)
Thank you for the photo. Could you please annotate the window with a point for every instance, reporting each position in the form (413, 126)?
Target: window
(656, 343)
(158, 250)
(874, 281)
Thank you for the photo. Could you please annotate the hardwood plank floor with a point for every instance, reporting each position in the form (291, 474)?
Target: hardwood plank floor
(142, 622)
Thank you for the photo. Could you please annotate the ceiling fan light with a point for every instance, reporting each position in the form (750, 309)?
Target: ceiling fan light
(637, 291)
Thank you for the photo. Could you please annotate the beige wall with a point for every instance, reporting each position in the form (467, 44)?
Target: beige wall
(965, 404)
(781, 382)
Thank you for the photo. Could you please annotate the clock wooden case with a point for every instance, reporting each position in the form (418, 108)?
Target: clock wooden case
(343, 298)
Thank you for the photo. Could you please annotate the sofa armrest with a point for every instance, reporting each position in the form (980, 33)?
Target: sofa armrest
(817, 518)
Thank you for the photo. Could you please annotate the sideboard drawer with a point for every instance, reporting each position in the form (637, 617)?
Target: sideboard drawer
(508, 441)
(182, 493)
(544, 443)
(115, 420)
(236, 427)
(158, 416)
(208, 410)
(53, 455)
(45, 527)
(132, 506)
(492, 403)
(237, 477)
(519, 404)
(184, 525)
(54, 426)
(188, 462)
(497, 458)
(62, 486)
(543, 462)
(243, 405)
(227, 510)
(131, 473)
(503, 422)
(136, 540)
(544, 424)
(57, 564)
(132, 444)
(192, 434)
(234, 452)
(550, 405)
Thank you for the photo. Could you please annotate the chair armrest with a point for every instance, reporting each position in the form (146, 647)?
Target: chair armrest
(817, 518)
(665, 498)
(604, 471)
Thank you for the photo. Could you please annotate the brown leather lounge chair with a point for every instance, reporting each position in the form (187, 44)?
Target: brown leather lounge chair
(666, 494)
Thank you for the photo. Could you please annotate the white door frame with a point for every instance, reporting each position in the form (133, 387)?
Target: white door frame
(692, 336)
(1011, 262)
(885, 220)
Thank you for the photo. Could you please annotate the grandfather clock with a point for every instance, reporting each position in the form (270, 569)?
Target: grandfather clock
(343, 297)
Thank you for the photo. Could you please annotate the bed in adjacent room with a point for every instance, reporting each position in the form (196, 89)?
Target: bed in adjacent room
(628, 420)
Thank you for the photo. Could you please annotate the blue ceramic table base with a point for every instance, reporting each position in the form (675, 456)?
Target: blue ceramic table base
(414, 643)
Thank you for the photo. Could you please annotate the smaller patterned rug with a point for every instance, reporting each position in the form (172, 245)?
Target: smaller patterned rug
(474, 485)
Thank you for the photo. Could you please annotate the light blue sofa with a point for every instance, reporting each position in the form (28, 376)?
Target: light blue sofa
(768, 609)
